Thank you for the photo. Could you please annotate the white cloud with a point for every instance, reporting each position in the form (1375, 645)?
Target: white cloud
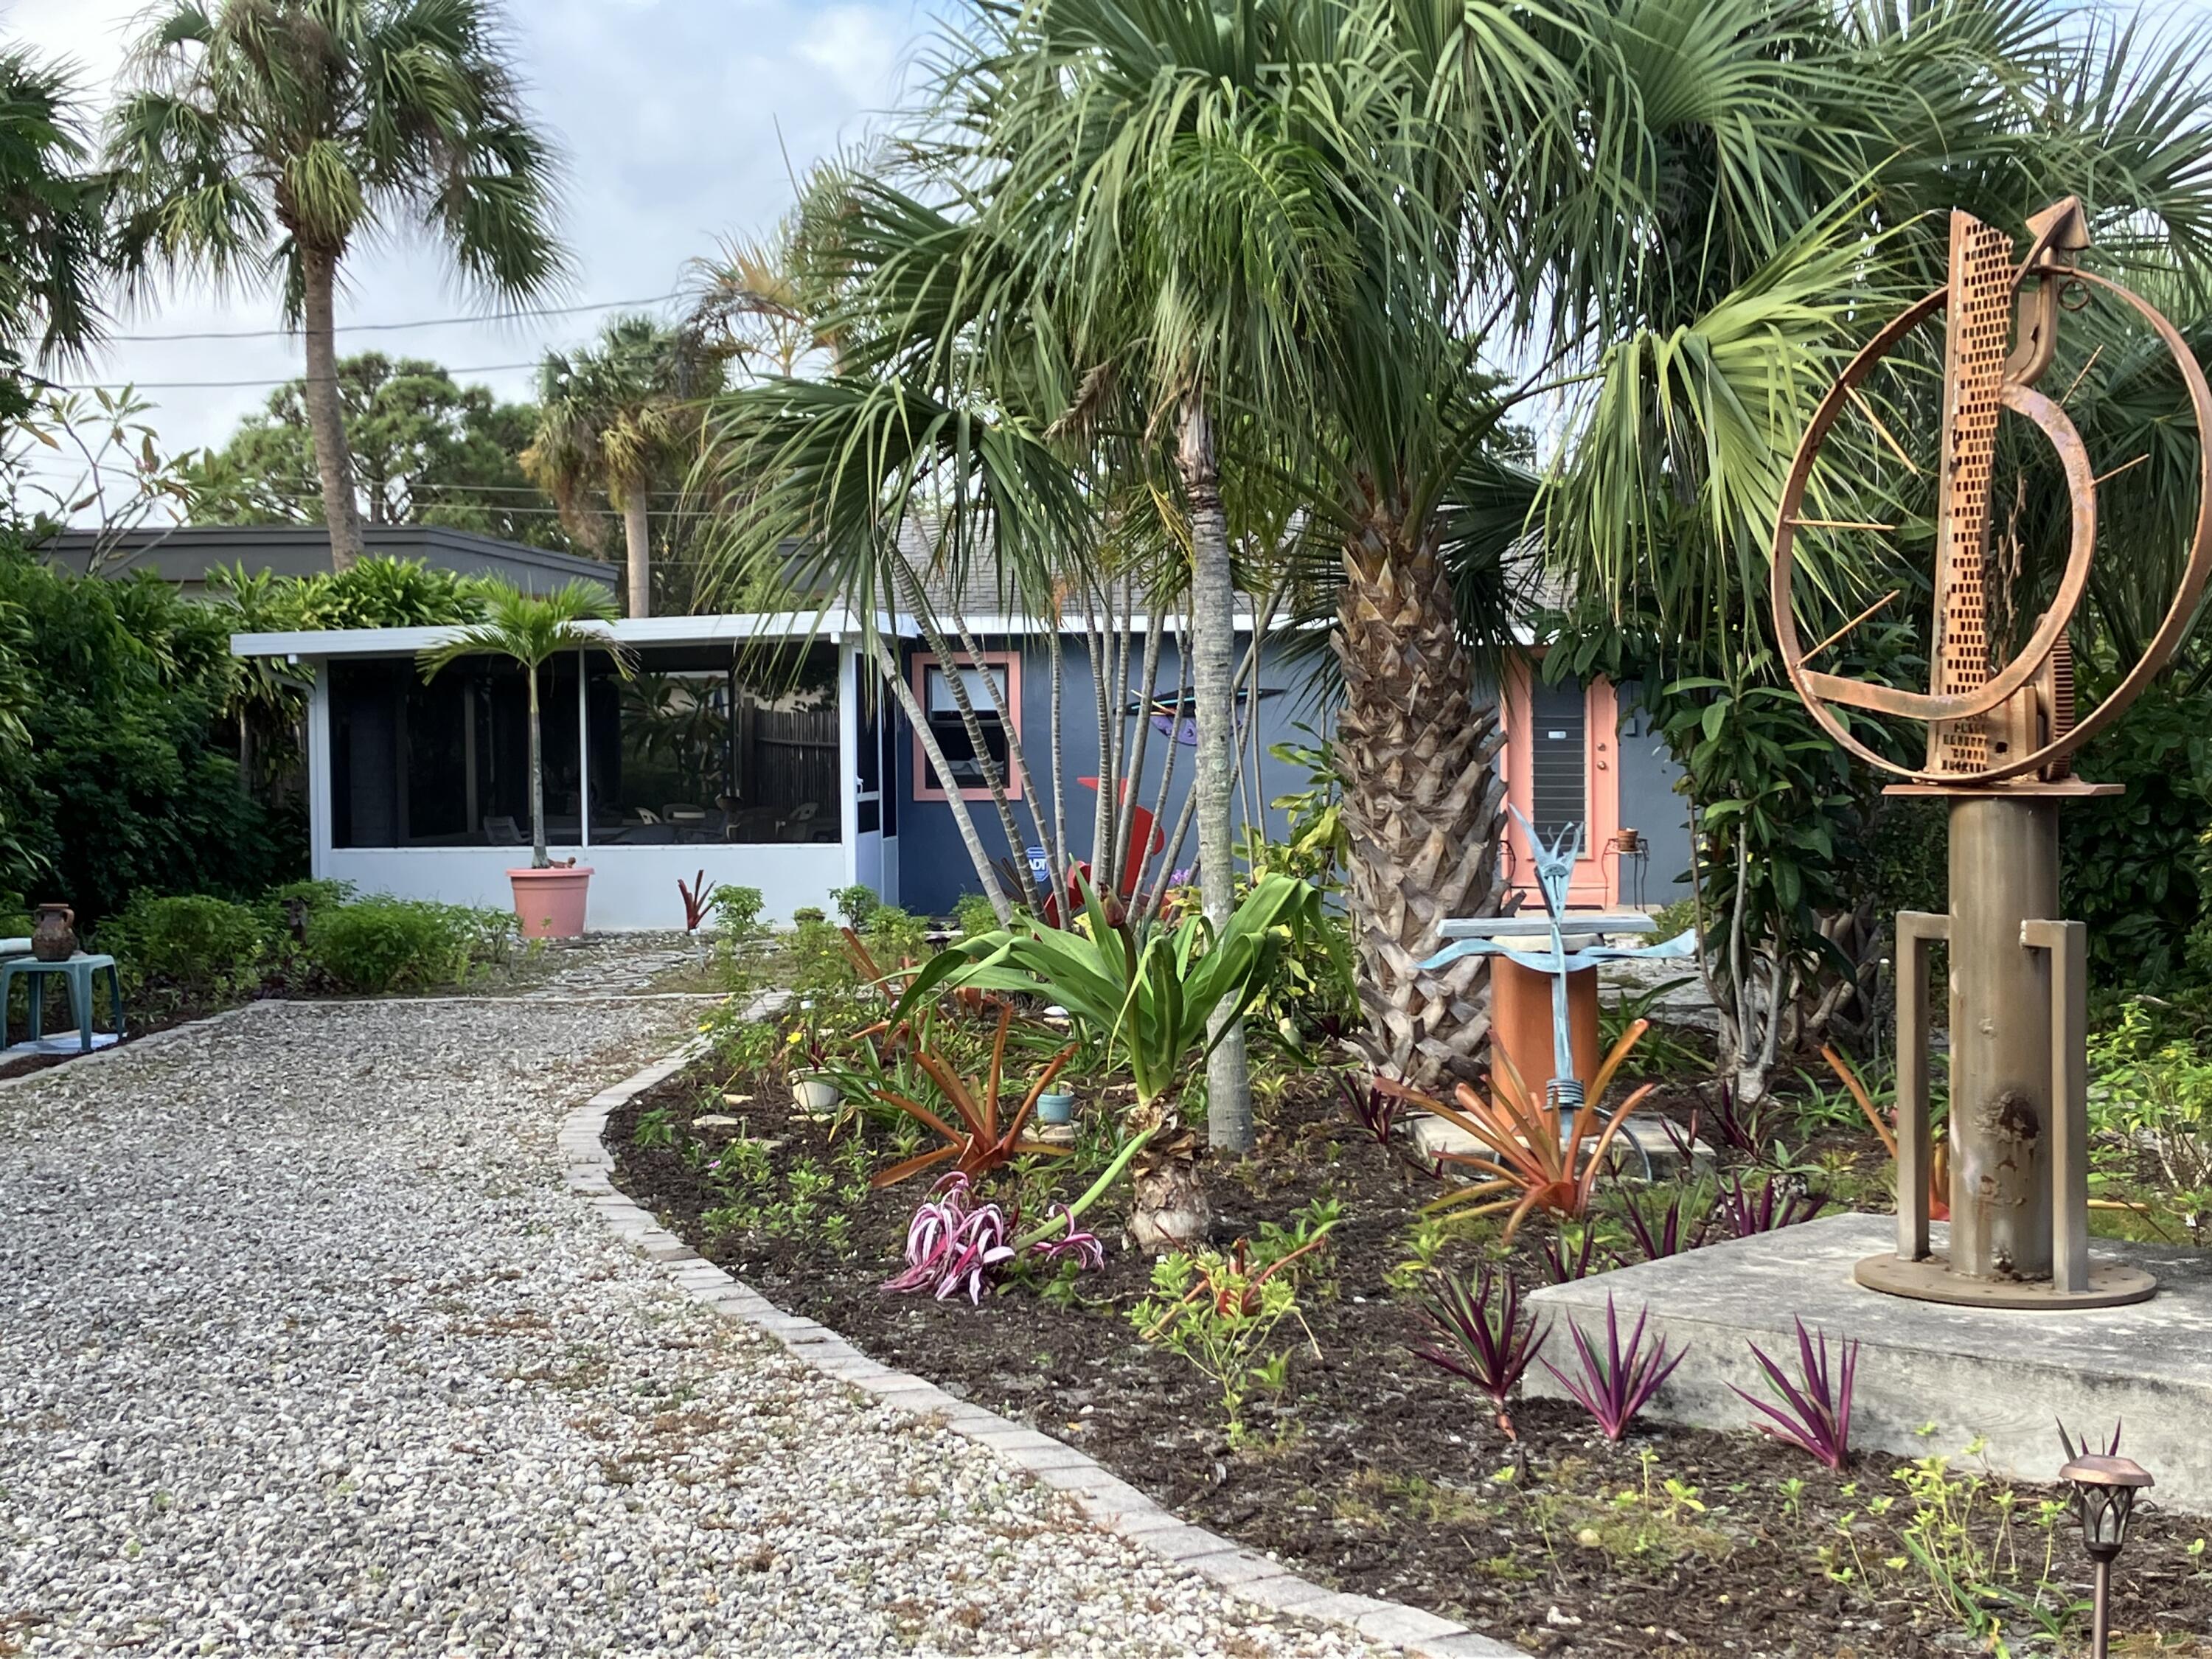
(676, 115)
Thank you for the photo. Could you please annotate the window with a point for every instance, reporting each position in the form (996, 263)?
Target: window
(932, 688)
(1559, 770)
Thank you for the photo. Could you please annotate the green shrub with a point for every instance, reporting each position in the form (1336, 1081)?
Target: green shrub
(377, 944)
(857, 903)
(112, 784)
(192, 942)
(737, 911)
(1674, 918)
(973, 916)
(894, 936)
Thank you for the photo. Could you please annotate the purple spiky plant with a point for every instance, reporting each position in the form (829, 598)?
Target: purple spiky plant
(1815, 1411)
(1613, 1388)
(1488, 1346)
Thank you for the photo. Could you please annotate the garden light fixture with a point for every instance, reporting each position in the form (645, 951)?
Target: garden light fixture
(2105, 1488)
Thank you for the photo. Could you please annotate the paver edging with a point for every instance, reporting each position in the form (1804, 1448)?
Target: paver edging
(1103, 1498)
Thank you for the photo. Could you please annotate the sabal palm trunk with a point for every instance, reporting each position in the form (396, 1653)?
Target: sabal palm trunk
(1424, 804)
(1213, 645)
(325, 410)
(638, 548)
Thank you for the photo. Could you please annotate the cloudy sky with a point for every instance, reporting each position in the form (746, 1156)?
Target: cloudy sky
(669, 113)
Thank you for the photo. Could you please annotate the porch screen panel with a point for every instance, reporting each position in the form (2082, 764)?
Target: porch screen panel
(1558, 754)
(706, 745)
(446, 763)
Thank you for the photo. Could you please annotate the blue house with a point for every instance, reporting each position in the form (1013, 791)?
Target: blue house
(764, 751)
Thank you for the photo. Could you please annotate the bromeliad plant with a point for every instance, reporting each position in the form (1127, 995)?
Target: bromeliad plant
(1815, 1412)
(1613, 1388)
(983, 1142)
(1489, 1346)
(1532, 1163)
(1741, 1211)
(1143, 991)
(1939, 1151)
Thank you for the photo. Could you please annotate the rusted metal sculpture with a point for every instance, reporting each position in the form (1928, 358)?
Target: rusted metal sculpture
(2001, 737)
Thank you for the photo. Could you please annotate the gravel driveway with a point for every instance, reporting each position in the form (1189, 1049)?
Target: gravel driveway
(305, 1349)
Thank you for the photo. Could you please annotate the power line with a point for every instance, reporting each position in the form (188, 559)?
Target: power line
(379, 328)
(278, 380)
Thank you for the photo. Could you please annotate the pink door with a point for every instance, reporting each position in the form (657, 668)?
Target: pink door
(1562, 746)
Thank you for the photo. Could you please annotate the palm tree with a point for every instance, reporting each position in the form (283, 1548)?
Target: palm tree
(1777, 184)
(1186, 232)
(531, 630)
(611, 418)
(259, 141)
(52, 249)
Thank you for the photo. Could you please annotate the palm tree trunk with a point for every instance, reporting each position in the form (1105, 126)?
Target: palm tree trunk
(638, 544)
(1424, 804)
(325, 410)
(539, 858)
(963, 819)
(1129, 868)
(1059, 770)
(1213, 621)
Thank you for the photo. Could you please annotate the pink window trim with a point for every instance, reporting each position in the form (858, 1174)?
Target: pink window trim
(925, 775)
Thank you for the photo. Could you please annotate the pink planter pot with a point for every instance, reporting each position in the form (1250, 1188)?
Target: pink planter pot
(549, 904)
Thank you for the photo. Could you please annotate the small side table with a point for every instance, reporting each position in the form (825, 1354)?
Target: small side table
(82, 971)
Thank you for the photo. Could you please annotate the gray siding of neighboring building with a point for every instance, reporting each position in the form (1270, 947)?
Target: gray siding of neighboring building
(184, 556)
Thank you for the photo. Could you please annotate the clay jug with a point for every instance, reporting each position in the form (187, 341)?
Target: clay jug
(53, 939)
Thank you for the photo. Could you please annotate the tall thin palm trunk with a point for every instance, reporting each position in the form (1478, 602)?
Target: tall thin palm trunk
(638, 548)
(1424, 804)
(1129, 868)
(1214, 618)
(539, 857)
(325, 410)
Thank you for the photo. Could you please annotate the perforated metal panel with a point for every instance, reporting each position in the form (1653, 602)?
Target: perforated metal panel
(1980, 312)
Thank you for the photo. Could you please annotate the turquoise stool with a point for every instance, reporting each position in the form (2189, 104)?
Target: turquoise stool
(82, 970)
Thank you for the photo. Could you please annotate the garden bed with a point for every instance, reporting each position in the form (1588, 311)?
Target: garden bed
(1378, 1474)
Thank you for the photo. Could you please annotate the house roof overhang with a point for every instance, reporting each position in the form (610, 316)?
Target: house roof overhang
(832, 626)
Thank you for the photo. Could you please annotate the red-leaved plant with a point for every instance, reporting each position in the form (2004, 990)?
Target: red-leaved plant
(697, 897)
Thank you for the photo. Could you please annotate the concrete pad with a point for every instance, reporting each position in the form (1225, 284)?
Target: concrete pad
(2004, 1378)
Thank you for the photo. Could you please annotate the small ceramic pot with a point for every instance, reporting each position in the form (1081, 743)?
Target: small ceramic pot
(53, 939)
(812, 1091)
(1056, 1109)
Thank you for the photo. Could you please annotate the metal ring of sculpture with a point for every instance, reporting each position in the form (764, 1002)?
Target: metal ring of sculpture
(2048, 261)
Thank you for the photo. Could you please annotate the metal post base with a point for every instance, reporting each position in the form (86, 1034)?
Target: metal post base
(2111, 1285)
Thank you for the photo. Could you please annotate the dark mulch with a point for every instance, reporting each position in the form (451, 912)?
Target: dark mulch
(1383, 1476)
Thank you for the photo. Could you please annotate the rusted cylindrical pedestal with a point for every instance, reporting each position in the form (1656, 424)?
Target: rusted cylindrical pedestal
(1521, 1022)
(2014, 1048)
(2004, 870)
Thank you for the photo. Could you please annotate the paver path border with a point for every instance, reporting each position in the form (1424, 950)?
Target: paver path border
(1104, 1498)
